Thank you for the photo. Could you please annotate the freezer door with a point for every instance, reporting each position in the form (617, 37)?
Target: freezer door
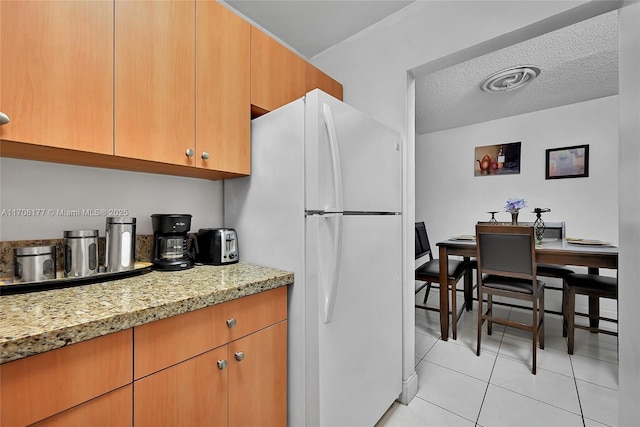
(352, 162)
(355, 359)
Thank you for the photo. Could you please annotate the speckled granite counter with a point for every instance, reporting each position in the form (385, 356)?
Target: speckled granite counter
(40, 321)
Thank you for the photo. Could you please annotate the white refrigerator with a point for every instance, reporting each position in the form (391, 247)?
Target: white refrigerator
(324, 201)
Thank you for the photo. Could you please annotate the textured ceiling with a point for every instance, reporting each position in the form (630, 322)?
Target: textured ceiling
(578, 63)
(312, 26)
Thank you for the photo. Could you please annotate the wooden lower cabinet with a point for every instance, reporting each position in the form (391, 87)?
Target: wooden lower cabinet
(224, 365)
(258, 381)
(46, 384)
(191, 393)
(114, 409)
(241, 384)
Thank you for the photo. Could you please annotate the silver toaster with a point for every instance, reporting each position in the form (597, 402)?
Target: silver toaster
(217, 246)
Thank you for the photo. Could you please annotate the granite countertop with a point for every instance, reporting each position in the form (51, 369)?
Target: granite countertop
(40, 321)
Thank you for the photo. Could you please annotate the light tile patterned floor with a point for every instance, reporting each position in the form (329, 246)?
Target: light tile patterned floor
(458, 388)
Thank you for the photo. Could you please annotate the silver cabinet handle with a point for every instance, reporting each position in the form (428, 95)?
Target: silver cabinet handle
(189, 152)
(4, 119)
(231, 323)
(222, 364)
(205, 155)
(239, 356)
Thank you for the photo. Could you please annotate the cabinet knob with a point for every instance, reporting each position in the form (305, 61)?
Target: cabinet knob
(189, 152)
(231, 323)
(222, 364)
(205, 155)
(4, 119)
(239, 356)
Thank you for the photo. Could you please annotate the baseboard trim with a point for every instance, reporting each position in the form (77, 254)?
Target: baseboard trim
(409, 389)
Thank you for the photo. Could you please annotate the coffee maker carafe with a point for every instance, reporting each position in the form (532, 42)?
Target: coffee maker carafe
(173, 248)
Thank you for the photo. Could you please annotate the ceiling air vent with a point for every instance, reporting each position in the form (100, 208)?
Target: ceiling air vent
(510, 79)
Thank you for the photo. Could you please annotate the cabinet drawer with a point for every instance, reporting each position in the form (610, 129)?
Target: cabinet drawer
(166, 342)
(114, 409)
(39, 386)
(257, 311)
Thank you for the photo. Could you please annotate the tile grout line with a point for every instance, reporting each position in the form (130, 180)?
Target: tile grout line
(575, 382)
(486, 390)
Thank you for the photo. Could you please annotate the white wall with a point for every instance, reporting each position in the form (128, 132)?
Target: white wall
(39, 185)
(450, 199)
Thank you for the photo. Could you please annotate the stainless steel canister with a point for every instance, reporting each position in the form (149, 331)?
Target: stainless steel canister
(34, 263)
(80, 253)
(121, 244)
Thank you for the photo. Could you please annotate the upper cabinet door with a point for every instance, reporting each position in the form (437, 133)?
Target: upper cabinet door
(277, 74)
(56, 71)
(223, 88)
(155, 80)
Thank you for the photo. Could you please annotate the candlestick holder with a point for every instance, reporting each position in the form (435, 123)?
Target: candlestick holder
(493, 220)
(538, 224)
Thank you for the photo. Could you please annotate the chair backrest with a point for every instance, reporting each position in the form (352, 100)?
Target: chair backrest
(552, 230)
(422, 241)
(506, 250)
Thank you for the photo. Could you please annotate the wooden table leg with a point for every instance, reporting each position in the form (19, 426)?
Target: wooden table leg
(594, 306)
(468, 287)
(444, 294)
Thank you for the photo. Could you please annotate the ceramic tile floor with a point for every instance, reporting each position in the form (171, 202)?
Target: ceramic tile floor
(458, 388)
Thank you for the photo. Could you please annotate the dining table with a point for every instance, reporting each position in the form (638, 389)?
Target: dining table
(572, 252)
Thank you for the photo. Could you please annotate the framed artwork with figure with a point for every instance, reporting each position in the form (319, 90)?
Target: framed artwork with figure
(567, 162)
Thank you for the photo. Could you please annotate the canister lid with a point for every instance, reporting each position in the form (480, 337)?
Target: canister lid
(120, 220)
(80, 233)
(34, 250)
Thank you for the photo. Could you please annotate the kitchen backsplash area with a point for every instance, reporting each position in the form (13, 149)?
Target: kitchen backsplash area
(144, 246)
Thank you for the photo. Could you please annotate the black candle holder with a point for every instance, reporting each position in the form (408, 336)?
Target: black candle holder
(493, 220)
(538, 224)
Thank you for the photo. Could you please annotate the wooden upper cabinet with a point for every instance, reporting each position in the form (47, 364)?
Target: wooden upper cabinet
(223, 89)
(277, 74)
(155, 80)
(56, 73)
(314, 78)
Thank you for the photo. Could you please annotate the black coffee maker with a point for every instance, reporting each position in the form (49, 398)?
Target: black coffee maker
(173, 248)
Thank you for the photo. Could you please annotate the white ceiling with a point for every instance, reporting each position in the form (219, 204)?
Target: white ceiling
(312, 26)
(578, 62)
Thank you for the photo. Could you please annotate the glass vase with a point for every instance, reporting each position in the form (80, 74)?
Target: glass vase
(514, 218)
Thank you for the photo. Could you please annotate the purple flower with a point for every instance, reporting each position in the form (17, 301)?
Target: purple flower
(514, 205)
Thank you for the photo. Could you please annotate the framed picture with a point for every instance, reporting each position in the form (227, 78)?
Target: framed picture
(499, 159)
(567, 162)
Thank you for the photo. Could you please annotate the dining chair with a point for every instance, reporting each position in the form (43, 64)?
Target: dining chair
(592, 285)
(552, 230)
(507, 268)
(429, 273)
